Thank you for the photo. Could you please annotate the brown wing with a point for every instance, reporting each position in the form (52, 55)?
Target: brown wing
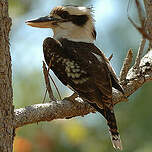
(95, 70)
(114, 79)
(99, 74)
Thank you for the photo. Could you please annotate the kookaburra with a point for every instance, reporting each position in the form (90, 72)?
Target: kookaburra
(77, 62)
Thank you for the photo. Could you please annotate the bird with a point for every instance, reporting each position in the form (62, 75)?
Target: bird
(78, 63)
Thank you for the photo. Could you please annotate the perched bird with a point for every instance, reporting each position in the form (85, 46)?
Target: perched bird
(78, 63)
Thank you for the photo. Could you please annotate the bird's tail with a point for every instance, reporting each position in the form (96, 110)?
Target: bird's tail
(111, 121)
(116, 141)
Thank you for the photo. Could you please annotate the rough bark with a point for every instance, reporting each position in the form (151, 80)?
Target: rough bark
(148, 8)
(6, 92)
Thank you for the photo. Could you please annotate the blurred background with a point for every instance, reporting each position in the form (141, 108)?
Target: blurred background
(115, 35)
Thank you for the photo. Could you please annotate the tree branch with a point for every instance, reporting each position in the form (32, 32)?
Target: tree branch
(139, 54)
(126, 65)
(51, 111)
(65, 108)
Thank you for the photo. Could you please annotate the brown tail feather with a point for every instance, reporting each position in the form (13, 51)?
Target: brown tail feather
(111, 121)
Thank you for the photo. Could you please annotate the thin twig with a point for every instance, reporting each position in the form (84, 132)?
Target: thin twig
(139, 54)
(110, 57)
(44, 96)
(129, 3)
(126, 65)
(47, 81)
(55, 87)
(142, 30)
(140, 16)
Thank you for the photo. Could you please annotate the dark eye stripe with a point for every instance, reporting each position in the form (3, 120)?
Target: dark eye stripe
(79, 20)
(63, 14)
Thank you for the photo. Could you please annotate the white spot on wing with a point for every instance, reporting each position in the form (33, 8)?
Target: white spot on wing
(97, 56)
(80, 81)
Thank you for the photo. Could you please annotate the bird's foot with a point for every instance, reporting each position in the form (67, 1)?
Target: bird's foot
(72, 97)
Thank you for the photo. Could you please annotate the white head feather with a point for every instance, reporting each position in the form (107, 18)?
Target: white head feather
(71, 31)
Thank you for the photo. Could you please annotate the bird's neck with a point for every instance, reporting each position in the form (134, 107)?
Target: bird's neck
(75, 35)
(69, 43)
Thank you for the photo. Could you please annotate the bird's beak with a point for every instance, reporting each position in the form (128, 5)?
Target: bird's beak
(42, 22)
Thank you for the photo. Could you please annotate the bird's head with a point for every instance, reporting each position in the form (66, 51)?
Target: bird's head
(71, 22)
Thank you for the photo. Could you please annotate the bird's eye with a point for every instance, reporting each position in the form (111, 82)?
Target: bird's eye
(64, 15)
